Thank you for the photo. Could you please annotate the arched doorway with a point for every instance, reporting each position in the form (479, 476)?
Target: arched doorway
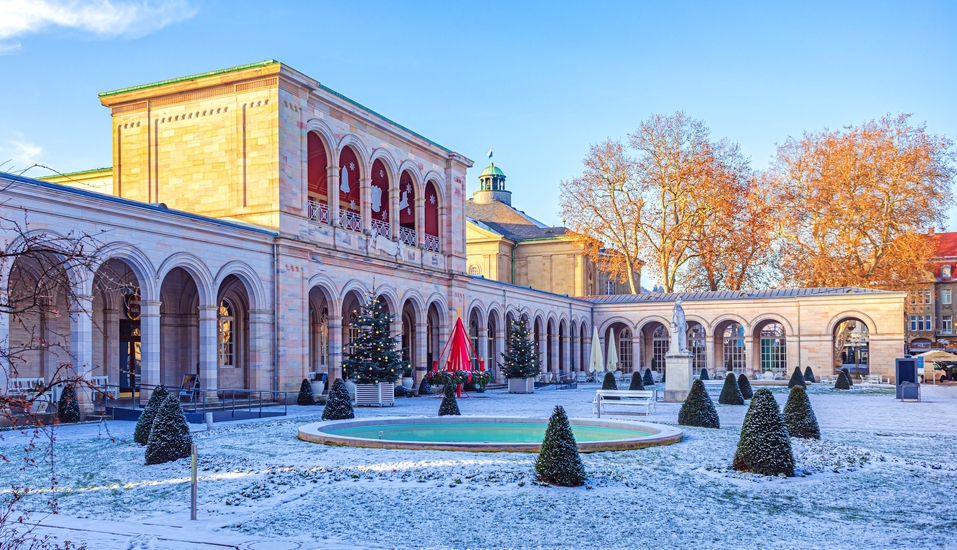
(433, 339)
(851, 342)
(697, 345)
(733, 349)
(319, 309)
(233, 334)
(655, 339)
(117, 350)
(475, 324)
(772, 346)
(493, 344)
(179, 330)
(409, 337)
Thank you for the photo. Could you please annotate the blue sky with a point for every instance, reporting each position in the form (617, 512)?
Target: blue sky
(540, 81)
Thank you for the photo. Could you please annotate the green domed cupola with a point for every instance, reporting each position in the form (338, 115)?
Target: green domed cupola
(492, 185)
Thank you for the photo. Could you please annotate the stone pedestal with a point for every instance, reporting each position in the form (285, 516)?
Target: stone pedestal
(678, 377)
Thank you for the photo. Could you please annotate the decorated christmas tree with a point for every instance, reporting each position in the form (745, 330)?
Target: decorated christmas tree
(521, 360)
(374, 355)
(68, 408)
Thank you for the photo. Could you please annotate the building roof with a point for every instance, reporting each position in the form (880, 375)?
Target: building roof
(492, 170)
(511, 222)
(730, 295)
(946, 245)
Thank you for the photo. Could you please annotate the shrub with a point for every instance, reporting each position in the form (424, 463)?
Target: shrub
(305, 394)
(847, 373)
(648, 379)
(764, 447)
(424, 387)
(68, 408)
(704, 374)
(145, 423)
(730, 392)
(402, 391)
(169, 438)
(843, 383)
(449, 406)
(797, 379)
(745, 386)
(636, 383)
(809, 375)
(698, 409)
(799, 417)
(339, 403)
(608, 383)
(663, 373)
(558, 461)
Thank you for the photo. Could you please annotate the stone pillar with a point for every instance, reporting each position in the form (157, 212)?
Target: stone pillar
(111, 326)
(49, 356)
(332, 181)
(566, 353)
(586, 345)
(260, 364)
(709, 354)
(678, 377)
(420, 355)
(394, 210)
(636, 353)
(554, 345)
(81, 346)
(208, 351)
(420, 221)
(149, 347)
(335, 347)
(365, 196)
(749, 365)
(5, 368)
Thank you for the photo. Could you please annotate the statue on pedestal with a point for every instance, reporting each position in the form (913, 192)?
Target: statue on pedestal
(679, 331)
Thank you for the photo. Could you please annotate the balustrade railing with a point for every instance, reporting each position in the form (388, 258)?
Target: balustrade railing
(408, 236)
(381, 228)
(350, 220)
(318, 212)
(431, 242)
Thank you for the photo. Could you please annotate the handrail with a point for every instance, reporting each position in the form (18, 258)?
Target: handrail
(220, 399)
(317, 211)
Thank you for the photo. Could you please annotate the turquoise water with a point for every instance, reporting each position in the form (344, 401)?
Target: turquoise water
(480, 432)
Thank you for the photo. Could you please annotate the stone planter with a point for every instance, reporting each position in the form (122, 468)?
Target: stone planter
(521, 385)
(408, 382)
(318, 386)
(375, 395)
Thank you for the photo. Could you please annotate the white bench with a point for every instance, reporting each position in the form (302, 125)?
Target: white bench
(640, 398)
(872, 380)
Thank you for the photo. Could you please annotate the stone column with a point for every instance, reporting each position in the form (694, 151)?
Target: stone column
(5, 368)
(586, 344)
(332, 182)
(566, 353)
(111, 326)
(335, 347)
(260, 365)
(555, 350)
(636, 353)
(542, 350)
(365, 196)
(50, 356)
(749, 365)
(420, 221)
(208, 351)
(149, 347)
(709, 355)
(81, 346)
(394, 210)
(420, 355)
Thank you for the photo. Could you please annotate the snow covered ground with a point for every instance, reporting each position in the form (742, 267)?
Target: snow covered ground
(884, 475)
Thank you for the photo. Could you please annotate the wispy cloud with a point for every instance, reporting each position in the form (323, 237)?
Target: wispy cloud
(18, 154)
(98, 17)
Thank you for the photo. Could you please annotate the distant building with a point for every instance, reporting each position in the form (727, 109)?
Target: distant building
(929, 312)
(505, 244)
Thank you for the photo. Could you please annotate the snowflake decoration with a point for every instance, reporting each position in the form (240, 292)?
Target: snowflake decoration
(385, 216)
(352, 204)
(408, 188)
(432, 199)
(352, 167)
(381, 173)
(408, 211)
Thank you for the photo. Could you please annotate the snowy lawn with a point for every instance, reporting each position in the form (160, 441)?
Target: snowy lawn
(884, 475)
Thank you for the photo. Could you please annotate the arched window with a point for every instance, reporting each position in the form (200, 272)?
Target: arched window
(474, 270)
(227, 334)
(490, 359)
(852, 346)
(659, 347)
(316, 169)
(696, 345)
(474, 331)
(350, 202)
(734, 353)
(432, 241)
(773, 348)
(625, 350)
(407, 232)
(353, 327)
(379, 200)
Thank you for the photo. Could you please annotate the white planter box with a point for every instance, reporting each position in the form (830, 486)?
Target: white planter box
(375, 395)
(521, 385)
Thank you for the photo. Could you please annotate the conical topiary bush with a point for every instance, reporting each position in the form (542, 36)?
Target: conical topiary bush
(797, 379)
(449, 406)
(305, 394)
(843, 382)
(745, 386)
(730, 392)
(799, 417)
(704, 374)
(68, 408)
(169, 438)
(764, 447)
(558, 461)
(608, 383)
(809, 375)
(698, 409)
(424, 387)
(338, 403)
(144, 425)
(663, 373)
(847, 373)
(648, 379)
(636, 383)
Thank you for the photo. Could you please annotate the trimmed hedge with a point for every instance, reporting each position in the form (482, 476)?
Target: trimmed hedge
(338, 403)
(843, 382)
(764, 447)
(68, 408)
(704, 374)
(745, 386)
(648, 379)
(424, 387)
(850, 381)
(797, 379)
(809, 375)
(636, 382)
(730, 392)
(799, 416)
(144, 425)
(305, 394)
(608, 383)
(558, 461)
(169, 439)
(449, 406)
(698, 409)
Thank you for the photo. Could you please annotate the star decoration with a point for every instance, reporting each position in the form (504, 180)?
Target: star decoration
(385, 216)
(408, 211)
(352, 167)
(408, 188)
(381, 173)
(432, 199)
(352, 204)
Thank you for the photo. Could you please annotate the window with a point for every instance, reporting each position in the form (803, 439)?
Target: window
(945, 271)
(227, 335)
(474, 270)
(947, 324)
(696, 344)
(927, 324)
(946, 295)
(920, 322)
(733, 346)
(660, 341)
(773, 348)
(609, 286)
(921, 297)
(624, 351)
